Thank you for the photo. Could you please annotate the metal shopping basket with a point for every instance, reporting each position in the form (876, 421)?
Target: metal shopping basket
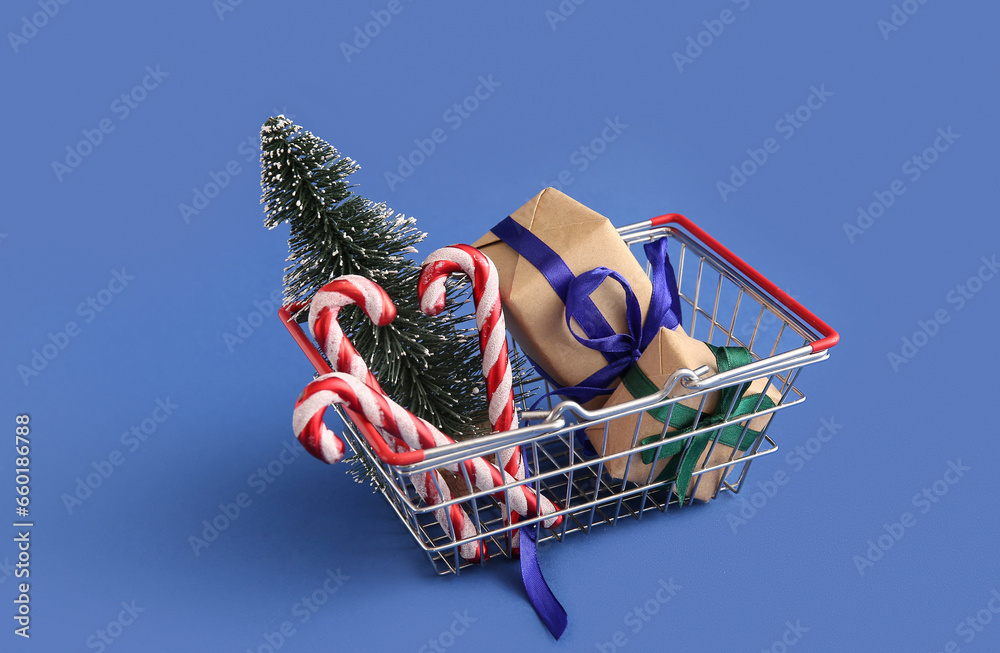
(724, 302)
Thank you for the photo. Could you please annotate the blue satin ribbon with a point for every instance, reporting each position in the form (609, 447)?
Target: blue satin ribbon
(621, 350)
(546, 605)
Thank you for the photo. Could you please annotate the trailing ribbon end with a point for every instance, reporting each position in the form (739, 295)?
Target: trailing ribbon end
(545, 603)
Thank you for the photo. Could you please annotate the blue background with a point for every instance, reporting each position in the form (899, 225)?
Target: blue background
(223, 72)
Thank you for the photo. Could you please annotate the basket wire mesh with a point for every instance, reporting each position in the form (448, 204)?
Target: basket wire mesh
(721, 306)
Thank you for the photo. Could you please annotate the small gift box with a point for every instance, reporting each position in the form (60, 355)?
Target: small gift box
(576, 300)
(672, 350)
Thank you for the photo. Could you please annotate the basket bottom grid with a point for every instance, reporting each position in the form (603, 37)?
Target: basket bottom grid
(594, 499)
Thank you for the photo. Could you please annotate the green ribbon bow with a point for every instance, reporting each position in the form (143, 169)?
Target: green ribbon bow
(683, 418)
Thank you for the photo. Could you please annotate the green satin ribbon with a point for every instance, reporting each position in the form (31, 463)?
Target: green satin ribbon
(683, 418)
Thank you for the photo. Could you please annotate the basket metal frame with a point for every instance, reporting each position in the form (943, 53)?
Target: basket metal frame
(559, 467)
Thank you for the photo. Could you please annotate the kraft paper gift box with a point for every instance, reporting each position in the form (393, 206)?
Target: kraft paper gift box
(672, 350)
(535, 313)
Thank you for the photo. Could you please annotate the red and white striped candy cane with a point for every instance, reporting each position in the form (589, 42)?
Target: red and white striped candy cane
(492, 331)
(392, 420)
(493, 344)
(389, 418)
(323, 444)
(324, 310)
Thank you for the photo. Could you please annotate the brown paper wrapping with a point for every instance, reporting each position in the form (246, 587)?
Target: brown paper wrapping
(535, 315)
(668, 352)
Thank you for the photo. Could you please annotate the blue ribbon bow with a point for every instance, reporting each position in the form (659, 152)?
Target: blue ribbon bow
(621, 350)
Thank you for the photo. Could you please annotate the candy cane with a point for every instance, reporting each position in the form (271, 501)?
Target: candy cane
(323, 323)
(322, 443)
(492, 341)
(387, 417)
(492, 331)
(324, 310)
(391, 419)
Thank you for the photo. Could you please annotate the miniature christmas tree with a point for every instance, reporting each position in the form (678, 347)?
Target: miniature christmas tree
(430, 365)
